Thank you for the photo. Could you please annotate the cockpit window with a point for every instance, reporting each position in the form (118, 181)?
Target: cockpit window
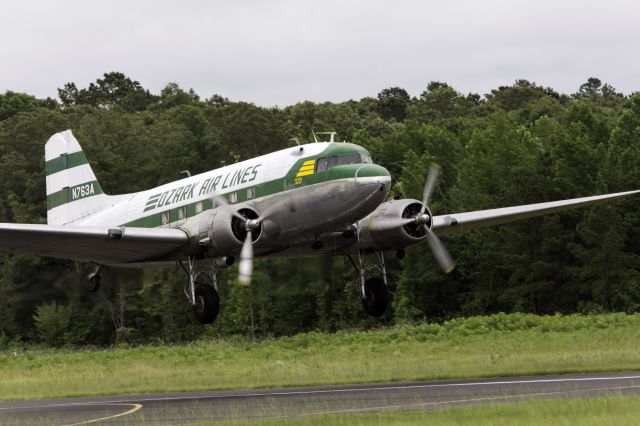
(349, 159)
(340, 160)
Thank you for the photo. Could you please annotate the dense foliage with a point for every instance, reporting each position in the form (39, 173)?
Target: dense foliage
(518, 144)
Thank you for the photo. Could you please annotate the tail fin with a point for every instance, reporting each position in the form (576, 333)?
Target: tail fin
(73, 192)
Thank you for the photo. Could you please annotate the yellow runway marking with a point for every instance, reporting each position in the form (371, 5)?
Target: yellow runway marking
(135, 408)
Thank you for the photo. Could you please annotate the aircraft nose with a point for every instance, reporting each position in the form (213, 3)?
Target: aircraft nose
(371, 174)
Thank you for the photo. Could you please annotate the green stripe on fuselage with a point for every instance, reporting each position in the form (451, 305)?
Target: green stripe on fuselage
(74, 193)
(64, 162)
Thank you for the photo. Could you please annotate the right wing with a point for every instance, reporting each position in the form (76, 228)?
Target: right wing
(444, 224)
(101, 245)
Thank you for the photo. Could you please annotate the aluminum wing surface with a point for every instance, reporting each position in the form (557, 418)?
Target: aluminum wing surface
(93, 244)
(444, 224)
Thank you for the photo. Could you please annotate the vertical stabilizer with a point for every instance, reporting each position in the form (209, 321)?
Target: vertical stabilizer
(73, 192)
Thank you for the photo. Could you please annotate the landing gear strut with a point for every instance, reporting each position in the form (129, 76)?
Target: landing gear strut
(93, 280)
(203, 297)
(373, 291)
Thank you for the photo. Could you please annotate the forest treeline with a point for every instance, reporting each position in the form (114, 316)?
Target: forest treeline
(519, 144)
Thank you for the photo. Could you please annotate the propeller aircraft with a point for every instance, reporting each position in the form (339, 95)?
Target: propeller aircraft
(317, 199)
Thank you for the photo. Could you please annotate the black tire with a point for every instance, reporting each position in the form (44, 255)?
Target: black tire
(377, 297)
(93, 284)
(207, 304)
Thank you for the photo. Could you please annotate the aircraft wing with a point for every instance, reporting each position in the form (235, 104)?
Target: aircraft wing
(479, 219)
(93, 244)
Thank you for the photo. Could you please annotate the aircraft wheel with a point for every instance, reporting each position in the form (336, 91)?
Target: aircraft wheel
(207, 304)
(93, 284)
(376, 298)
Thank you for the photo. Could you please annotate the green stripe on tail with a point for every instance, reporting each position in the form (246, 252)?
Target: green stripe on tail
(77, 192)
(65, 162)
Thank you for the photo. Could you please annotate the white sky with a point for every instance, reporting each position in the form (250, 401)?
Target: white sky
(280, 52)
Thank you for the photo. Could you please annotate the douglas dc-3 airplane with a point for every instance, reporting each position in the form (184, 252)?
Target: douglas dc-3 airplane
(323, 198)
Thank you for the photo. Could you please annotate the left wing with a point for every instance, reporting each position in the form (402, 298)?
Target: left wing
(444, 224)
(92, 244)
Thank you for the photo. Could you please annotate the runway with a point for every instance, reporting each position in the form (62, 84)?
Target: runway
(195, 407)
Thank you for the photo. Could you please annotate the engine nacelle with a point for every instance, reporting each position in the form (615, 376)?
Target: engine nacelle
(375, 229)
(221, 232)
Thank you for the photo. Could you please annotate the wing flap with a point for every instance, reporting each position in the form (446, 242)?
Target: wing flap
(479, 219)
(91, 244)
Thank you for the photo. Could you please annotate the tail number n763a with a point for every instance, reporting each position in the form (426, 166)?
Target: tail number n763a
(81, 191)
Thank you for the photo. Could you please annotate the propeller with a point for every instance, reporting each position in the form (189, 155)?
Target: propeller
(422, 219)
(437, 248)
(245, 264)
(384, 224)
(429, 186)
(440, 252)
(221, 201)
(268, 212)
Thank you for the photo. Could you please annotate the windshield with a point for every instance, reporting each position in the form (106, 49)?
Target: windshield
(341, 160)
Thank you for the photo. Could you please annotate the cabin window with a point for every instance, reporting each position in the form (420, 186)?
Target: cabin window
(199, 207)
(182, 213)
(332, 161)
(164, 217)
(321, 165)
(233, 197)
(251, 192)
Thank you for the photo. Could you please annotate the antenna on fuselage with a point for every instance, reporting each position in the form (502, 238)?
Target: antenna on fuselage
(314, 136)
(295, 140)
(186, 172)
(331, 138)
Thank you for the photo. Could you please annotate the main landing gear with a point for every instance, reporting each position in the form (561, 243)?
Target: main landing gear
(373, 291)
(93, 280)
(203, 297)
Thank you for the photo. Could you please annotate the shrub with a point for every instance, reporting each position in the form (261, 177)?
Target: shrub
(52, 321)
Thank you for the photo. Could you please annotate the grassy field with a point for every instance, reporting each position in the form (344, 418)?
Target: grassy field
(499, 345)
(587, 412)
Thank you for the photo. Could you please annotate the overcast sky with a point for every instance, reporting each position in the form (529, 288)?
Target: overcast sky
(283, 52)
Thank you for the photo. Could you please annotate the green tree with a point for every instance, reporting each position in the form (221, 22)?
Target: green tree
(392, 103)
(114, 90)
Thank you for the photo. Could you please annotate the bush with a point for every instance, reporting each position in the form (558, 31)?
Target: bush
(52, 322)
(128, 336)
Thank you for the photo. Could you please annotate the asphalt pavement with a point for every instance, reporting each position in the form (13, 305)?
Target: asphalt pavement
(197, 407)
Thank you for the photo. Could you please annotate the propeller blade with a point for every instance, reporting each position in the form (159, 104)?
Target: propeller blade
(389, 223)
(429, 186)
(440, 252)
(221, 201)
(269, 211)
(245, 266)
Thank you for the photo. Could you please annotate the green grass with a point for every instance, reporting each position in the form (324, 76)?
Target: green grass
(586, 412)
(499, 345)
